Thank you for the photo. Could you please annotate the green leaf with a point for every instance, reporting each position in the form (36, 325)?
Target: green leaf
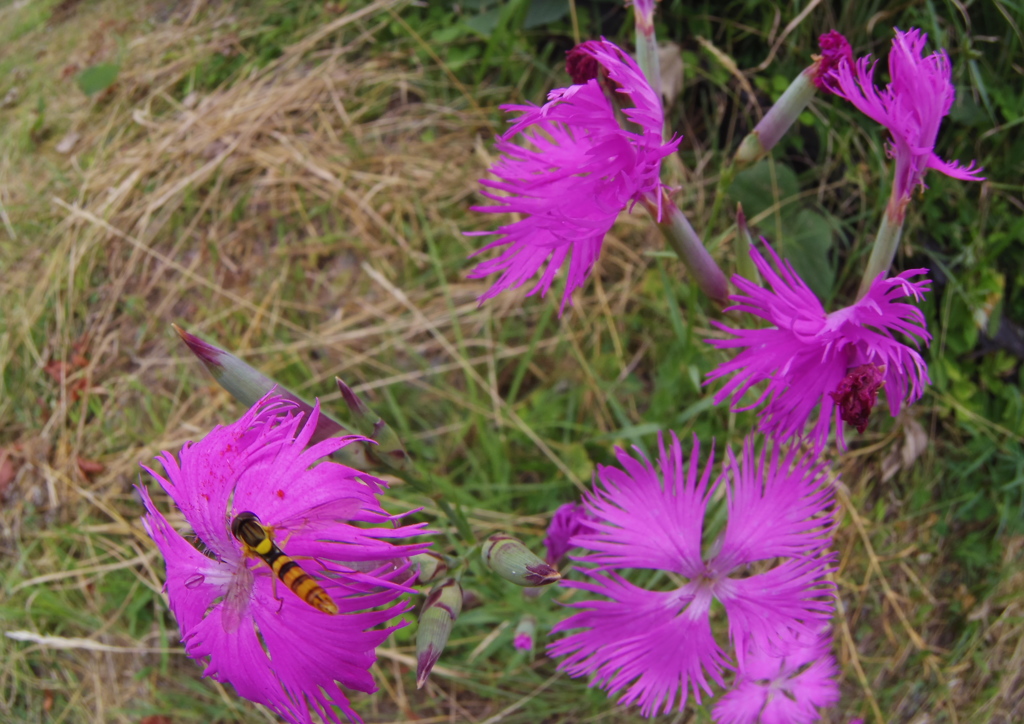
(97, 78)
(485, 23)
(807, 243)
(756, 189)
(545, 12)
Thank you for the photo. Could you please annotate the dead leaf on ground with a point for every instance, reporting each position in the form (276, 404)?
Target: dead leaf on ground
(67, 144)
(90, 467)
(10, 98)
(915, 442)
(8, 467)
(670, 60)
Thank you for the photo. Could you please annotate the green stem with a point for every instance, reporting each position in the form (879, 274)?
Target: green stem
(647, 51)
(690, 249)
(887, 241)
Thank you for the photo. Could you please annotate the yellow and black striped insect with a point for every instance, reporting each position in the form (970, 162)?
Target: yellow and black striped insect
(259, 542)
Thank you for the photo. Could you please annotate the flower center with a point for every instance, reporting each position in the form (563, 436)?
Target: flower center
(580, 65)
(857, 393)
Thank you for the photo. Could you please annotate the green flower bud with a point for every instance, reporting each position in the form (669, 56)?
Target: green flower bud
(389, 449)
(429, 566)
(513, 561)
(526, 632)
(248, 385)
(437, 618)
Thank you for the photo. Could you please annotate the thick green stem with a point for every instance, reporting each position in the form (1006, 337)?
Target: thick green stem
(756, 145)
(647, 51)
(690, 249)
(886, 243)
(779, 118)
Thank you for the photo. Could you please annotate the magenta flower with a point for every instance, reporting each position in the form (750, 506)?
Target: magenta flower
(835, 49)
(811, 359)
(787, 687)
(574, 169)
(569, 520)
(285, 649)
(919, 95)
(655, 645)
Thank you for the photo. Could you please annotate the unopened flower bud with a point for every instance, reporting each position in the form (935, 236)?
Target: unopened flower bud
(389, 449)
(513, 561)
(429, 566)
(442, 607)
(526, 631)
(248, 385)
(794, 99)
(471, 599)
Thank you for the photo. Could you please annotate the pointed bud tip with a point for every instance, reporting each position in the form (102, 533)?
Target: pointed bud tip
(207, 353)
(437, 618)
(429, 566)
(543, 575)
(425, 665)
(512, 560)
(351, 399)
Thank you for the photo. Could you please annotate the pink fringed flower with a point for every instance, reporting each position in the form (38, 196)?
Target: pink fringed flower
(655, 645)
(786, 687)
(919, 95)
(569, 520)
(252, 631)
(811, 359)
(835, 49)
(574, 169)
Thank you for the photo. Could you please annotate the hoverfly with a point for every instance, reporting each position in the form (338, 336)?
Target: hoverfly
(258, 542)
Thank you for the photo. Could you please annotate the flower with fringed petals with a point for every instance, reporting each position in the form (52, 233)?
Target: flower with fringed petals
(654, 646)
(286, 649)
(569, 520)
(919, 95)
(788, 686)
(571, 171)
(811, 359)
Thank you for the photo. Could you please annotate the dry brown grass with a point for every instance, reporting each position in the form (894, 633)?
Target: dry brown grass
(295, 214)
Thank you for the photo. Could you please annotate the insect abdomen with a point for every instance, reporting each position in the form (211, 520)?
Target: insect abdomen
(301, 583)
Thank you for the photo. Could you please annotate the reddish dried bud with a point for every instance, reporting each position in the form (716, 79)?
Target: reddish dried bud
(858, 393)
(580, 64)
(835, 48)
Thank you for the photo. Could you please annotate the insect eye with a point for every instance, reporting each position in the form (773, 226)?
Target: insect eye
(239, 522)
